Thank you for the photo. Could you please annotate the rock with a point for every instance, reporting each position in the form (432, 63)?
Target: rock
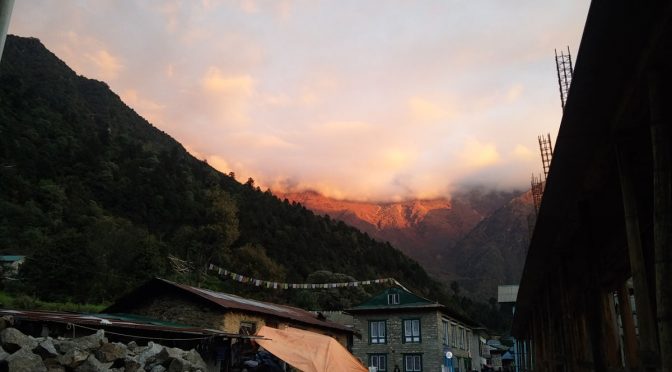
(166, 355)
(111, 352)
(133, 346)
(12, 340)
(91, 364)
(56, 368)
(73, 358)
(25, 360)
(179, 365)
(46, 349)
(132, 365)
(91, 342)
(158, 368)
(3, 354)
(64, 346)
(53, 365)
(149, 352)
(192, 356)
(6, 321)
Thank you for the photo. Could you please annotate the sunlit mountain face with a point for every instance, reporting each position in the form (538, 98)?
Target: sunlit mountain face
(440, 233)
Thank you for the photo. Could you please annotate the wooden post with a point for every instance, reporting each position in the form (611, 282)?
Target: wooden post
(662, 217)
(628, 323)
(645, 316)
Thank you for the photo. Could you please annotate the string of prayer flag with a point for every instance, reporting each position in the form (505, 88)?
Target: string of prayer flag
(279, 285)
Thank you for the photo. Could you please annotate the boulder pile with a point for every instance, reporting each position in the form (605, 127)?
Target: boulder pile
(93, 353)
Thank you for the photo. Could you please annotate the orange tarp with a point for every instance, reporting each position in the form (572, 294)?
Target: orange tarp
(308, 351)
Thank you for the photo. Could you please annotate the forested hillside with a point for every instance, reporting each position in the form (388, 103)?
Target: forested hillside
(97, 198)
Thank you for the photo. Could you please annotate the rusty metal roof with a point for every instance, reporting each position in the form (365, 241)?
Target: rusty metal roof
(124, 321)
(227, 301)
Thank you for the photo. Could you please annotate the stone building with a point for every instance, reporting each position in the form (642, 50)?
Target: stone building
(403, 332)
(169, 301)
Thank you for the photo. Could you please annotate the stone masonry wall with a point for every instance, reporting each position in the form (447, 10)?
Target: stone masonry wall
(430, 346)
(175, 309)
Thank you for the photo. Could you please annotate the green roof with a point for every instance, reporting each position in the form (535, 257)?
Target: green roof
(8, 258)
(385, 300)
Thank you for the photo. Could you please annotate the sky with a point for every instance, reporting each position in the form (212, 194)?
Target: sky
(378, 100)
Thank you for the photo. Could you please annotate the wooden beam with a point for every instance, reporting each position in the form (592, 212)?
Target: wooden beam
(628, 323)
(662, 215)
(643, 300)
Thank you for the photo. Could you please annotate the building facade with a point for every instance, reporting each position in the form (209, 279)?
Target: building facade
(403, 332)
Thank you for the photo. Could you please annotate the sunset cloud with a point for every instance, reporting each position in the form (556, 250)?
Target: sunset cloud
(355, 100)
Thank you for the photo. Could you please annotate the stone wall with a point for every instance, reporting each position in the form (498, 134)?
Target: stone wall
(430, 345)
(176, 309)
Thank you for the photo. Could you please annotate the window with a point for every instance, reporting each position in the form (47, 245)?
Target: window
(393, 299)
(468, 340)
(446, 336)
(379, 361)
(412, 362)
(411, 330)
(377, 332)
(247, 328)
(461, 338)
(453, 333)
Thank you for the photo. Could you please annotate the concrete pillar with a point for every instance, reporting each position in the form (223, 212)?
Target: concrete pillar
(5, 14)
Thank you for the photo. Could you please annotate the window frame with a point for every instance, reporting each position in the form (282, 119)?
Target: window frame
(378, 357)
(393, 298)
(446, 335)
(378, 337)
(413, 337)
(413, 356)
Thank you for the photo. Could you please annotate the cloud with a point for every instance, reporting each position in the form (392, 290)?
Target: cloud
(150, 110)
(476, 154)
(108, 66)
(425, 110)
(227, 96)
(349, 98)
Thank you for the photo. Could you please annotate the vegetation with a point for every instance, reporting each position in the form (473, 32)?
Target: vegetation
(25, 302)
(97, 198)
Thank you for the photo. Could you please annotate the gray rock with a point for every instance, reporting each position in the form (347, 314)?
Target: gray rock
(3, 354)
(111, 352)
(149, 352)
(25, 360)
(46, 349)
(64, 346)
(158, 368)
(91, 342)
(12, 340)
(179, 365)
(192, 356)
(132, 365)
(73, 358)
(166, 355)
(133, 347)
(91, 364)
(55, 367)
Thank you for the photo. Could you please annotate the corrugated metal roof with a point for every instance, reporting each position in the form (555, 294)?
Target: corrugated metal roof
(230, 301)
(11, 258)
(224, 301)
(114, 320)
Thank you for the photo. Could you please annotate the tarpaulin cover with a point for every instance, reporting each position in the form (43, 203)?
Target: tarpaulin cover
(308, 351)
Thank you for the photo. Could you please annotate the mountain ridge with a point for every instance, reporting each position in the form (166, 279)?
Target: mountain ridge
(440, 233)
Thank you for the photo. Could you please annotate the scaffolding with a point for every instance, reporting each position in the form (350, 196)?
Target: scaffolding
(546, 148)
(563, 64)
